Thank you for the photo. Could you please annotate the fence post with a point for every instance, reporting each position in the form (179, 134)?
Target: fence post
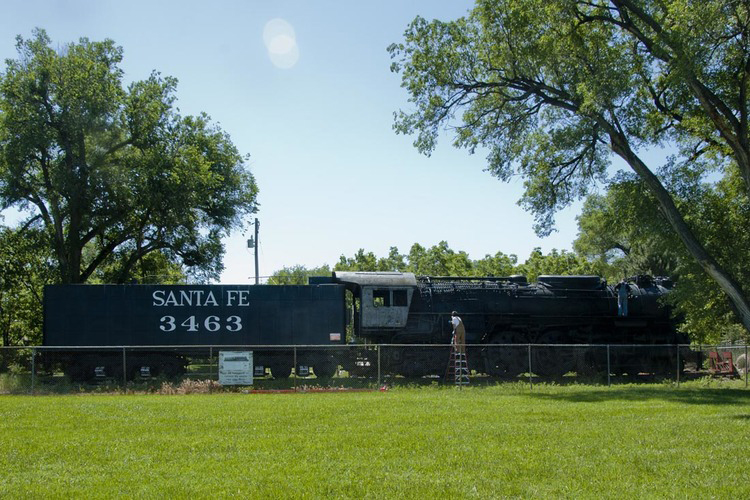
(296, 370)
(33, 369)
(211, 363)
(678, 365)
(531, 378)
(378, 350)
(747, 365)
(124, 371)
(609, 369)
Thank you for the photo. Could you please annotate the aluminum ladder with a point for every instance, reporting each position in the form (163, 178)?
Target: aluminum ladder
(458, 367)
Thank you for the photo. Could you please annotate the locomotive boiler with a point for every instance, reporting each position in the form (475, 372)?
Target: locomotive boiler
(406, 314)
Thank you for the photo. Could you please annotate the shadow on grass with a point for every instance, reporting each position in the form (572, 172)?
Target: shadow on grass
(692, 395)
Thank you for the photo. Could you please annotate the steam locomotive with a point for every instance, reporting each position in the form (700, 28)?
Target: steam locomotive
(504, 318)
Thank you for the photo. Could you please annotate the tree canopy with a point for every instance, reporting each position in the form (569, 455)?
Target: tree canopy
(114, 176)
(297, 275)
(442, 260)
(551, 88)
(623, 229)
(24, 269)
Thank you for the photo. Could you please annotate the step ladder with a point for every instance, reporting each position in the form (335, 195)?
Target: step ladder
(458, 368)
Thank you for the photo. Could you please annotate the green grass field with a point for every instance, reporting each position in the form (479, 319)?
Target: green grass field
(655, 441)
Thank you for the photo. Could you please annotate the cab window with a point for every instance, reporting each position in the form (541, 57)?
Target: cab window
(381, 298)
(388, 298)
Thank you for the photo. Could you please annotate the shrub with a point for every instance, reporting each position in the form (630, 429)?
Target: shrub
(190, 386)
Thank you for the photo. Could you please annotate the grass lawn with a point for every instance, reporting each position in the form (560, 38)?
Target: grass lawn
(637, 441)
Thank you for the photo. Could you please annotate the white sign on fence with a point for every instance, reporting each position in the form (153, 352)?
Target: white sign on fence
(236, 367)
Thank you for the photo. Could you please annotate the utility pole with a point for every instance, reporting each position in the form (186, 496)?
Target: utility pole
(253, 243)
(257, 277)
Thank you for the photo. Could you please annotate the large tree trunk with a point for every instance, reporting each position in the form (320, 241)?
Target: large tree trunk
(728, 284)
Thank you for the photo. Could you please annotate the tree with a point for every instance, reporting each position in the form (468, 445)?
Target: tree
(557, 263)
(362, 261)
(154, 267)
(553, 87)
(297, 275)
(439, 260)
(722, 215)
(114, 174)
(367, 261)
(624, 228)
(24, 270)
(394, 262)
(499, 264)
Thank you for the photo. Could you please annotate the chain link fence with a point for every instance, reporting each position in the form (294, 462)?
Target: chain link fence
(38, 370)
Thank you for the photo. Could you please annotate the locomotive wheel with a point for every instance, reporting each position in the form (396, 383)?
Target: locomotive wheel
(587, 364)
(325, 369)
(551, 360)
(506, 360)
(414, 364)
(661, 365)
(412, 369)
(170, 369)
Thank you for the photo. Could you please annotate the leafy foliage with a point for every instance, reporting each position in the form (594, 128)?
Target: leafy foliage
(441, 260)
(297, 275)
(25, 266)
(115, 175)
(623, 229)
(551, 88)
(557, 263)
(438, 260)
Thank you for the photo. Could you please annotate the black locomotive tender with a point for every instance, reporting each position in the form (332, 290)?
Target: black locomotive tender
(502, 315)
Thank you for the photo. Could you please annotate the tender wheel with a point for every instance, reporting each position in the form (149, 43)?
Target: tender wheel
(171, 368)
(325, 369)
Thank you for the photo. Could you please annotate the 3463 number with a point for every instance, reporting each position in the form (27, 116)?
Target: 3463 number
(192, 324)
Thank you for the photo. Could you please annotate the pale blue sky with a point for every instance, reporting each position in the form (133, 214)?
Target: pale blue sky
(333, 176)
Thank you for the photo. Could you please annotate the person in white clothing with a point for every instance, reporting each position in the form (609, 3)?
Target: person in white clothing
(459, 333)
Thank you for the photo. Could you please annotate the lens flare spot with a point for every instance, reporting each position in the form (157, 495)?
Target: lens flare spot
(281, 43)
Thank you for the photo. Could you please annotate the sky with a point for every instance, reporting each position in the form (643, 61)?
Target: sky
(305, 88)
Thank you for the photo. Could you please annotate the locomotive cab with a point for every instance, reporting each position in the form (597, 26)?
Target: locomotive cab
(381, 300)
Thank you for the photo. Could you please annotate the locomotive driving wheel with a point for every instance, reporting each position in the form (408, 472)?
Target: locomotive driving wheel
(549, 359)
(504, 357)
